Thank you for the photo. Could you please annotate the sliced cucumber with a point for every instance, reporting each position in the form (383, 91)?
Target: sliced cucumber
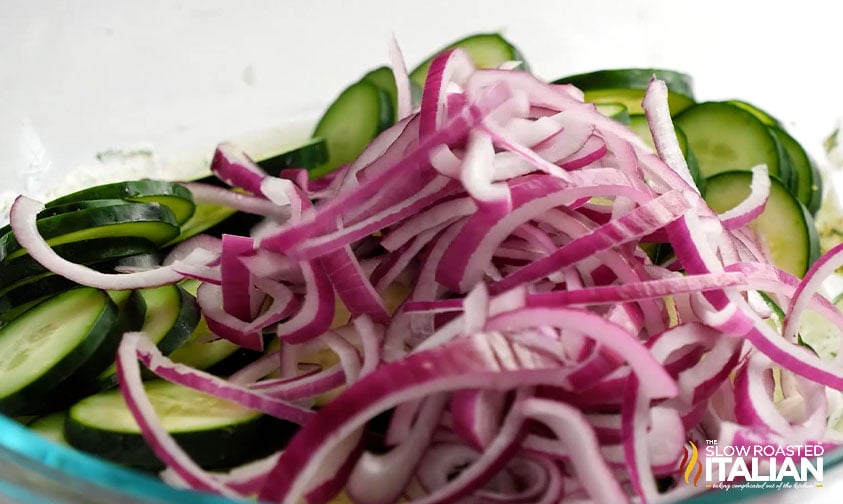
(51, 426)
(24, 268)
(152, 221)
(131, 311)
(807, 180)
(218, 434)
(307, 155)
(17, 300)
(204, 350)
(486, 50)
(170, 194)
(360, 112)
(627, 86)
(761, 114)
(384, 79)
(725, 137)
(49, 343)
(785, 227)
(172, 315)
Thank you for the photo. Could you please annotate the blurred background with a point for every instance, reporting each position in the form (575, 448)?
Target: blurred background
(157, 83)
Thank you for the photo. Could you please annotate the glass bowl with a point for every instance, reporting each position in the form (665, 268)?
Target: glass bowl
(99, 91)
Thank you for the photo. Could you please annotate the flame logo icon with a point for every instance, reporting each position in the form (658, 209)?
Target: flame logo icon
(691, 464)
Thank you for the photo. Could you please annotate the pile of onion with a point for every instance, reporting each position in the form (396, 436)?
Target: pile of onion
(480, 273)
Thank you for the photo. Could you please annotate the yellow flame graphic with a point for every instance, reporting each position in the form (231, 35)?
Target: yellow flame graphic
(690, 462)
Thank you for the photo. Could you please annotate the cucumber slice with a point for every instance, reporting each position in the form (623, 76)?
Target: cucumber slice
(785, 227)
(19, 270)
(218, 434)
(131, 311)
(725, 137)
(204, 350)
(627, 86)
(308, 155)
(49, 343)
(170, 194)
(152, 221)
(360, 112)
(51, 426)
(762, 115)
(172, 315)
(638, 124)
(807, 180)
(486, 50)
(616, 111)
(384, 79)
(16, 301)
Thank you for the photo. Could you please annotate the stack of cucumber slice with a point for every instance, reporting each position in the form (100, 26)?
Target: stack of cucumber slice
(58, 339)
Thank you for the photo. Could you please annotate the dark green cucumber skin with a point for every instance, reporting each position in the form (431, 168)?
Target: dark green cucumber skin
(105, 217)
(186, 322)
(16, 301)
(132, 190)
(383, 78)
(307, 156)
(348, 136)
(807, 181)
(86, 252)
(30, 400)
(631, 78)
(125, 190)
(628, 85)
(212, 449)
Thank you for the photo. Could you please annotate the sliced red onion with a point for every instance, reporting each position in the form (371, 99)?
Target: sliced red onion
(476, 176)
(637, 223)
(380, 479)
(196, 379)
(223, 324)
(751, 207)
(238, 292)
(571, 428)
(231, 165)
(653, 377)
(402, 80)
(811, 282)
(183, 249)
(316, 312)
(478, 361)
(215, 195)
(449, 66)
(655, 106)
(352, 286)
(161, 442)
(476, 415)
